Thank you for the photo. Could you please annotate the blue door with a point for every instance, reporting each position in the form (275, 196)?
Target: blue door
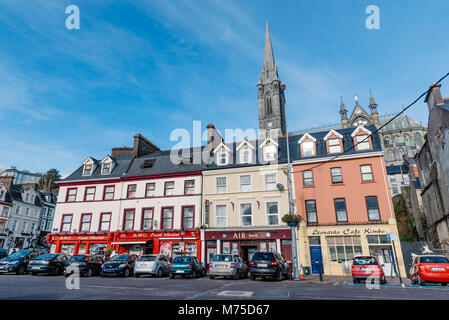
(317, 259)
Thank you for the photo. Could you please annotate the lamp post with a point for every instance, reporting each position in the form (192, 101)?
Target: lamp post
(182, 241)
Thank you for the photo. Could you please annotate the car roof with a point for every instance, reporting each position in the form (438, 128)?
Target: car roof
(432, 255)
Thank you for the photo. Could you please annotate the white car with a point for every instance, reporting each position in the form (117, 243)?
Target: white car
(153, 264)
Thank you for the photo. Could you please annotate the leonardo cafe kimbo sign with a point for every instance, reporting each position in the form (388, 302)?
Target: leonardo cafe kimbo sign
(349, 231)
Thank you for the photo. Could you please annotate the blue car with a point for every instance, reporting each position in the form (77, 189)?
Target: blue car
(120, 265)
(187, 266)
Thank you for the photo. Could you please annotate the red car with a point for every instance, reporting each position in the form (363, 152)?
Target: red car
(364, 267)
(429, 268)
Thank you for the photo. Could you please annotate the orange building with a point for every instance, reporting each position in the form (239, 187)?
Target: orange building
(344, 201)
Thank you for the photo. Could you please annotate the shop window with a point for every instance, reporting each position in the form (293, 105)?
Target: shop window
(108, 193)
(342, 249)
(97, 248)
(226, 247)
(167, 218)
(245, 183)
(71, 195)
(336, 175)
(187, 217)
(308, 178)
(340, 210)
(372, 206)
(147, 219)
(221, 185)
(105, 221)
(311, 211)
(314, 241)
(149, 189)
(85, 222)
(90, 194)
(131, 191)
(189, 187)
(68, 249)
(66, 222)
(221, 219)
(128, 223)
(378, 239)
(246, 214)
(273, 213)
(367, 172)
(270, 181)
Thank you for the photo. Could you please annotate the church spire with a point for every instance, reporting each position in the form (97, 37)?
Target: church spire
(269, 68)
(344, 114)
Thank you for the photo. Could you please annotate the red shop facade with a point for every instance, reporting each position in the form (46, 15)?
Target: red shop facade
(79, 243)
(246, 242)
(172, 243)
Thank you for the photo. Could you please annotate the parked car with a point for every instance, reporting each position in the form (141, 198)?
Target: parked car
(88, 265)
(52, 263)
(364, 267)
(18, 261)
(269, 264)
(228, 265)
(430, 268)
(187, 265)
(153, 264)
(3, 253)
(119, 265)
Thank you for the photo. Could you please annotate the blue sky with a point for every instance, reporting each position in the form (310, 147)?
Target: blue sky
(151, 66)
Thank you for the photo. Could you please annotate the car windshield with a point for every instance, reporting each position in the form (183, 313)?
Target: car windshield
(434, 260)
(364, 261)
(119, 258)
(147, 258)
(19, 254)
(47, 256)
(78, 258)
(265, 256)
(183, 260)
(222, 257)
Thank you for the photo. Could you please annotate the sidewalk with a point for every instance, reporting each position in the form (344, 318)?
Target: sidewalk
(346, 279)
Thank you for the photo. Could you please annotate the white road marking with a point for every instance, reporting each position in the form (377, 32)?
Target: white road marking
(236, 293)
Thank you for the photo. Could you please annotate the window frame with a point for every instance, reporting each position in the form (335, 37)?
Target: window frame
(183, 227)
(371, 172)
(362, 137)
(104, 192)
(165, 188)
(304, 179)
(147, 190)
(192, 188)
(102, 214)
(172, 217)
(241, 215)
(268, 214)
(329, 146)
(63, 223)
(142, 220)
(124, 218)
(303, 149)
(68, 194)
(346, 210)
(367, 208)
(102, 168)
(307, 211)
(91, 168)
(127, 190)
(86, 194)
(81, 222)
(225, 184)
(340, 175)
(225, 217)
(248, 184)
(265, 181)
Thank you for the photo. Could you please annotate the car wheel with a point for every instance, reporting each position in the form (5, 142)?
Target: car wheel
(136, 275)
(21, 270)
(127, 273)
(172, 276)
(212, 277)
(253, 277)
(159, 273)
(237, 275)
(354, 280)
(279, 276)
(383, 280)
(34, 273)
(194, 274)
(421, 282)
(444, 284)
(89, 273)
(203, 273)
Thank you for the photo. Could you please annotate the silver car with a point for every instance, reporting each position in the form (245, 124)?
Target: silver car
(153, 264)
(228, 265)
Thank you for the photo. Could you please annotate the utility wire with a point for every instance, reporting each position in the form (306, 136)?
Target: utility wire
(377, 130)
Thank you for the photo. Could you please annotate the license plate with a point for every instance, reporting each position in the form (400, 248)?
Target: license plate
(437, 269)
(179, 271)
(264, 265)
(364, 269)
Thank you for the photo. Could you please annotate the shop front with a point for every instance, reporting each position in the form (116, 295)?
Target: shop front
(244, 242)
(78, 243)
(169, 243)
(332, 248)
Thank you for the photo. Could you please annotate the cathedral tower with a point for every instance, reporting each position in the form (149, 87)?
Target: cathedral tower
(271, 96)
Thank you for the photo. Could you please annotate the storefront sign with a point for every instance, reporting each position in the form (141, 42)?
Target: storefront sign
(139, 235)
(349, 231)
(79, 238)
(248, 235)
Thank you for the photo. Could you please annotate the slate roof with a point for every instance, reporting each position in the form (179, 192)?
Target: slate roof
(129, 167)
(16, 194)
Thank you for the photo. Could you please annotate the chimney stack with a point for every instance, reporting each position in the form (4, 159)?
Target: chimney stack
(143, 146)
(7, 181)
(434, 97)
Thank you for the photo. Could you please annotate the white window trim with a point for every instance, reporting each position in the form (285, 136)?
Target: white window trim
(245, 145)
(220, 149)
(250, 183)
(265, 180)
(216, 184)
(268, 215)
(241, 215)
(216, 216)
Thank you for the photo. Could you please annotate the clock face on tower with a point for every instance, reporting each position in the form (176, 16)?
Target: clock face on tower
(270, 124)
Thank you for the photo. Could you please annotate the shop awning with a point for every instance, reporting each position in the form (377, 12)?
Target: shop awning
(130, 242)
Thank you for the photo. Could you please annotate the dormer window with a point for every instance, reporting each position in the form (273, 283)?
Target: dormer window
(333, 142)
(245, 150)
(87, 170)
(361, 138)
(222, 154)
(307, 145)
(89, 166)
(107, 165)
(270, 149)
(106, 168)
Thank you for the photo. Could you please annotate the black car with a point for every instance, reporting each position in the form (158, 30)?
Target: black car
(3, 253)
(269, 264)
(51, 263)
(88, 265)
(120, 265)
(18, 261)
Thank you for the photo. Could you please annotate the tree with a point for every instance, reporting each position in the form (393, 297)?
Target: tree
(48, 181)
